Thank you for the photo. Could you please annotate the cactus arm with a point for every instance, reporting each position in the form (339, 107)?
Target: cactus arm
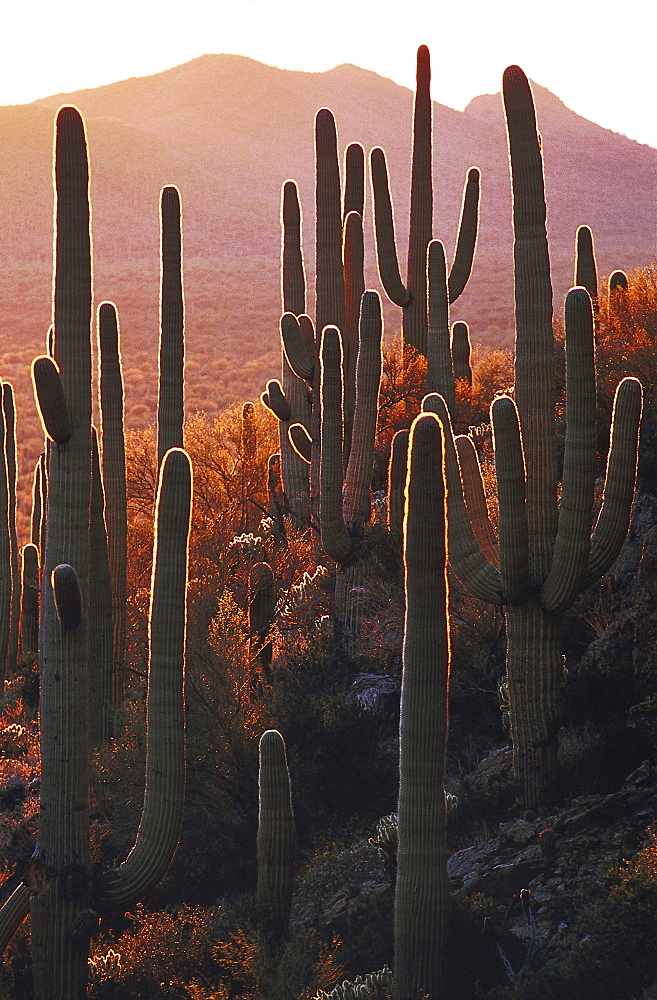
(275, 400)
(354, 185)
(293, 278)
(384, 228)
(354, 287)
(422, 898)
(614, 517)
(586, 271)
(335, 537)
(300, 360)
(50, 399)
(9, 407)
(37, 504)
(171, 404)
(368, 379)
(466, 242)
(534, 372)
(511, 491)
(159, 827)
(421, 213)
(301, 441)
(276, 841)
(13, 913)
(573, 542)
(475, 498)
(461, 350)
(30, 600)
(329, 279)
(440, 377)
(397, 483)
(466, 558)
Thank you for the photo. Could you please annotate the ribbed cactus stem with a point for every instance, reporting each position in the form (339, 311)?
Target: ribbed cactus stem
(440, 377)
(421, 208)
(60, 964)
(397, 483)
(171, 404)
(5, 554)
(114, 480)
(9, 407)
(354, 287)
(30, 600)
(461, 351)
(335, 537)
(101, 656)
(329, 280)
(262, 600)
(586, 270)
(474, 495)
(422, 898)
(276, 833)
(36, 516)
(161, 816)
(467, 238)
(247, 448)
(50, 399)
(354, 183)
(293, 278)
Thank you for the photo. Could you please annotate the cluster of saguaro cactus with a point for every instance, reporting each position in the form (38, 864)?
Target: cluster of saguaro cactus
(64, 900)
(422, 899)
(546, 553)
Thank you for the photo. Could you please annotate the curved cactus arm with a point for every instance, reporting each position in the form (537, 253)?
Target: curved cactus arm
(13, 913)
(335, 537)
(384, 229)
(534, 365)
(512, 494)
(422, 898)
(329, 279)
(293, 277)
(368, 380)
(397, 482)
(614, 517)
(586, 270)
(354, 287)
(300, 360)
(617, 280)
(573, 542)
(461, 350)
(50, 399)
(276, 841)
(440, 377)
(159, 827)
(354, 184)
(301, 441)
(275, 400)
(171, 405)
(466, 243)
(475, 498)
(466, 558)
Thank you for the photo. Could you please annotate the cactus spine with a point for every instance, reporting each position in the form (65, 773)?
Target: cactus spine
(171, 404)
(114, 482)
(422, 900)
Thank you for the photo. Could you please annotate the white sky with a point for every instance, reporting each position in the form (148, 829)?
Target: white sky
(598, 56)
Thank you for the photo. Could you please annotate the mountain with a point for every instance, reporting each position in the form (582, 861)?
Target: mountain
(228, 131)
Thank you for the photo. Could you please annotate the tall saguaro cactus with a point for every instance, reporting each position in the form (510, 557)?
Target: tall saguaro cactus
(114, 479)
(63, 840)
(412, 296)
(9, 408)
(422, 899)
(171, 406)
(276, 833)
(547, 554)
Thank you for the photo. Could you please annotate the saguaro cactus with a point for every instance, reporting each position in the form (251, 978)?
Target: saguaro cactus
(276, 834)
(113, 467)
(422, 899)
(547, 554)
(412, 296)
(171, 404)
(5, 553)
(29, 600)
(9, 407)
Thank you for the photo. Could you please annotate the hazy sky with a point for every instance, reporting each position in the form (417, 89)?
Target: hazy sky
(598, 56)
